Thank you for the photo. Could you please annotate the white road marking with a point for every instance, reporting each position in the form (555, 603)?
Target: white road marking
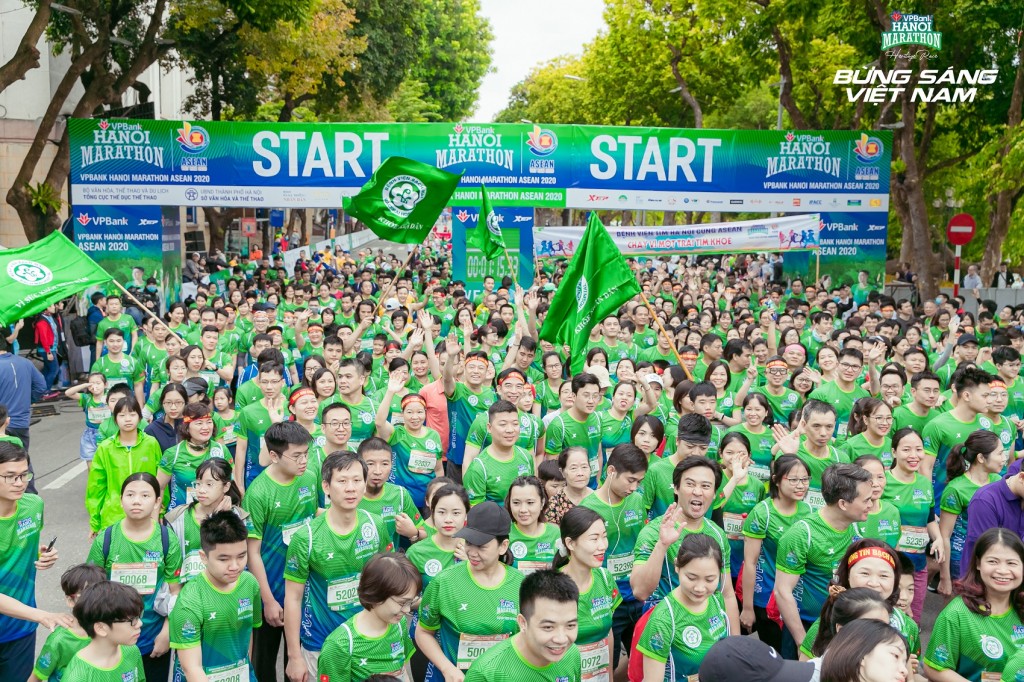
(66, 477)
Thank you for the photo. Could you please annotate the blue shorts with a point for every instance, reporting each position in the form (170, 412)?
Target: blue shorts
(87, 448)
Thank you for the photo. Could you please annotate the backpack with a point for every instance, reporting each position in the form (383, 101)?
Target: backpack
(80, 332)
(163, 602)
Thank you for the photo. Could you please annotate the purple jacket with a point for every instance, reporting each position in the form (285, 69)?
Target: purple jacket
(994, 505)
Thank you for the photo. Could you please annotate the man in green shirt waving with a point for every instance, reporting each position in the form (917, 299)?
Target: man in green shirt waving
(545, 647)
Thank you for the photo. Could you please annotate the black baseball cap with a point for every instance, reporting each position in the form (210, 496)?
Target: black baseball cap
(486, 521)
(966, 339)
(751, 660)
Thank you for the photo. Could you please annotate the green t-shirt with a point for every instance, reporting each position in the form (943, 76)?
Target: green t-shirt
(766, 523)
(897, 619)
(884, 525)
(463, 407)
(141, 565)
(504, 663)
(917, 510)
(253, 422)
(392, 501)
(534, 552)
(955, 500)
(180, 463)
(669, 579)
(1007, 432)
(565, 431)
(19, 548)
(329, 565)
(531, 429)
(782, 405)
(219, 622)
(940, 436)
(971, 644)
(623, 522)
(489, 477)
(129, 669)
(656, 489)
(829, 392)
(614, 431)
(856, 446)
(277, 513)
(680, 638)
(462, 610)
(349, 655)
(745, 496)
(415, 460)
(903, 417)
(596, 608)
(127, 370)
(124, 322)
(60, 647)
(816, 466)
(760, 450)
(812, 548)
(364, 414)
(1014, 669)
(430, 559)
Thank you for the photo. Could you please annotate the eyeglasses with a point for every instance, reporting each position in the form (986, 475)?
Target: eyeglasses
(134, 622)
(779, 372)
(882, 420)
(407, 606)
(296, 458)
(338, 425)
(798, 481)
(849, 365)
(174, 403)
(11, 479)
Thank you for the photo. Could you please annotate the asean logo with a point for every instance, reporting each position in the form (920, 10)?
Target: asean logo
(29, 273)
(402, 193)
(582, 294)
(868, 149)
(192, 139)
(541, 141)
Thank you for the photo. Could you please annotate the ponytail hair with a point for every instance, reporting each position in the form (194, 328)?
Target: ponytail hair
(575, 523)
(841, 608)
(964, 455)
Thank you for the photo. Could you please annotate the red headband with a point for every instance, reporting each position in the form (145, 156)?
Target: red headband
(871, 553)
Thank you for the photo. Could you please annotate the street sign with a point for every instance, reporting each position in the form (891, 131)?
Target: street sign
(960, 230)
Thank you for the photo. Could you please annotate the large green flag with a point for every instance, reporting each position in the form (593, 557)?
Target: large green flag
(597, 281)
(34, 276)
(403, 199)
(486, 236)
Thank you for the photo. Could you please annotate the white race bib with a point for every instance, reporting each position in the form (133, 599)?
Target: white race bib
(760, 471)
(142, 576)
(289, 529)
(814, 500)
(620, 564)
(913, 539)
(422, 462)
(733, 524)
(342, 593)
(472, 647)
(192, 566)
(595, 659)
(236, 673)
(528, 567)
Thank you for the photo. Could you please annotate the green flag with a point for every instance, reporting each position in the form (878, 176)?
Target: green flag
(403, 199)
(486, 236)
(34, 276)
(597, 281)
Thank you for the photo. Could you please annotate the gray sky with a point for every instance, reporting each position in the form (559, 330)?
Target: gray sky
(527, 33)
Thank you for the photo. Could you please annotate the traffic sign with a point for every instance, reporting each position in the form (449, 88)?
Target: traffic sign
(960, 230)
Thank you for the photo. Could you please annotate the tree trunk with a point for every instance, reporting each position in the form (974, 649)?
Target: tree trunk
(26, 56)
(218, 220)
(1004, 200)
(923, 260)
(18, 196)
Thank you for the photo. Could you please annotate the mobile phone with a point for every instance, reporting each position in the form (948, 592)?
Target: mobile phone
(53, 542)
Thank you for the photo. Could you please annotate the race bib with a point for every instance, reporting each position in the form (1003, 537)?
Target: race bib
(841, 431)
(342, 593)
(472, 647)
(235, 673)
(913, 539)
(595, 659)
(620, 564)
(595, 468)
(289, 529)
(528, 567)
(114, 381)
(97, 414)
(142, 576)
(760, 471)
(192, 566)
(228, 436)
(733, 524)
(190, 495)
(814, 500)
(422, 462)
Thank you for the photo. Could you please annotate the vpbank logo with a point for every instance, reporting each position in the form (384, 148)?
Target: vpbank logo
(542, 141)
(911, 29)
(84, 219)
(868, 149)
(192, 139)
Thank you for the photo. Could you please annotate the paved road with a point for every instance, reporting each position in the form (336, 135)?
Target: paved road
(60, 479)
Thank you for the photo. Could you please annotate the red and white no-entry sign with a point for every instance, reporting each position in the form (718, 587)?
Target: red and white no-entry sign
(960, 230)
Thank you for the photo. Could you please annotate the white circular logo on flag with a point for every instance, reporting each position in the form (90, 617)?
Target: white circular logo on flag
(402, 193)
(582, 294)
(29, 272)
(492, 224)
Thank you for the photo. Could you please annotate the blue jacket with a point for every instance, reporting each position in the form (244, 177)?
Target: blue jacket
(21, 384)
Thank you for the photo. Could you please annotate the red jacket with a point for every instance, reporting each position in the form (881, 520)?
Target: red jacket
(44, 336)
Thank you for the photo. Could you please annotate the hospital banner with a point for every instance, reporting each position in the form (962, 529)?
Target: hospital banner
(771, 235)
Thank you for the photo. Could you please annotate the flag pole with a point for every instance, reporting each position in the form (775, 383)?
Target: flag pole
(394, 279)
(141, 306)
(511, 270)
(661, 328)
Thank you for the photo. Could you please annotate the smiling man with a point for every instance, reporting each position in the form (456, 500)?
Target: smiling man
(545, 647)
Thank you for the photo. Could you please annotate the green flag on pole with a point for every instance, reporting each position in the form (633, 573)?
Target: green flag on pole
(486, 236)
(34, 276)
(403, 199)
(597, 281)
